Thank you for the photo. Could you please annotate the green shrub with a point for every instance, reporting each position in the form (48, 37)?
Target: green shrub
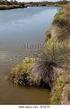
(62, 18)
(56, 51)
(22, 71)
(64, 78)
(57, 90)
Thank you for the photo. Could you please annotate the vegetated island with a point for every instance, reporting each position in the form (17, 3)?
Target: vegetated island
(51, 68)
(5, 4)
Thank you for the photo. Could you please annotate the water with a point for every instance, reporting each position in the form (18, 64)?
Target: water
(18, 27)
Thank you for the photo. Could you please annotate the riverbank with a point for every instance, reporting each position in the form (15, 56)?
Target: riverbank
(5, 5)
(50, 69)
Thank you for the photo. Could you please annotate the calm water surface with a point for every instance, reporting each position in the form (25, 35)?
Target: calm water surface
(17, 28)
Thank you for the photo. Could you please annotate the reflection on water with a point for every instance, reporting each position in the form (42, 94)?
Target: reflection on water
(3, 55)
(17, 28)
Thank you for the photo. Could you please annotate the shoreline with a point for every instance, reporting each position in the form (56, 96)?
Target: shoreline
(6, 7)
(14, 5)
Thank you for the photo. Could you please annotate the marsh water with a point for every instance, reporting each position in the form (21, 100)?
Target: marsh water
(21, 34)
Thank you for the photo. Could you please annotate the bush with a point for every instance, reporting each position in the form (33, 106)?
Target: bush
(21, 72)
(59, 19)
(63, 17)
(57, 52)
(57, 90)
(62, 80)
(41, 72)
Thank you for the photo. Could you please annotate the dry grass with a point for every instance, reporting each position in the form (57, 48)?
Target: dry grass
(63, 17)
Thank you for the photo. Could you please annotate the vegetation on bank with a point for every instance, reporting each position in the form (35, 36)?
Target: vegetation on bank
(5, 4)
(57, 92)
(20, 74)
(51, 69)
(40, 71)
(47, 3)
(60, 92)
(63, 17)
